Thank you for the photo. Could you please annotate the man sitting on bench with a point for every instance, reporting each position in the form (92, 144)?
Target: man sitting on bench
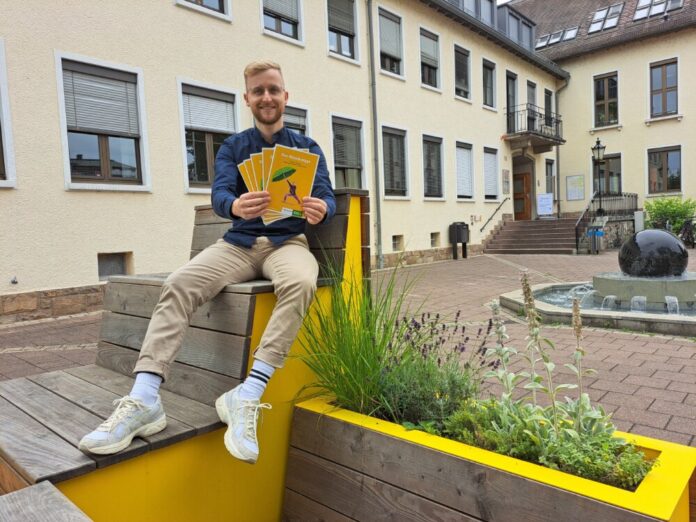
(249, 250)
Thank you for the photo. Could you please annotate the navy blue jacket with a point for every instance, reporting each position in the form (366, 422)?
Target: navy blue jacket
(229, 185)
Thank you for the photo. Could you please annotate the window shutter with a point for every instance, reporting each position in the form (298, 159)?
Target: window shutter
(429, 54)
(465, 179)
(461, 70)
(208, 114)
(285, 8)
(490, 172)
(394, 159)
(341, 16)
(432, 167)
(347, 150)
(390, 34)
(101, 104)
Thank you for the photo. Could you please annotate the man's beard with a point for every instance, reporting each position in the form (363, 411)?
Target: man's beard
(271, 120)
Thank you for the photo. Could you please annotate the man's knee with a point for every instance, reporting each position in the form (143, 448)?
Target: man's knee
(299, 284)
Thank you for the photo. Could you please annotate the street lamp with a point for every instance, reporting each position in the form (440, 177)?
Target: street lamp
(597, 159)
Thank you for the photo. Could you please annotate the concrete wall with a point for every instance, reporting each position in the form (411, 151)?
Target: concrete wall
(52, 231)
(635, 133)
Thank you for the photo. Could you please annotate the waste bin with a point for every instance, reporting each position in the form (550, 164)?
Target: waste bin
(594, 233)
(458, 233)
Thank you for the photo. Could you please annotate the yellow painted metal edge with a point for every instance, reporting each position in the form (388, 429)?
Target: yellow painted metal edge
(657, 496)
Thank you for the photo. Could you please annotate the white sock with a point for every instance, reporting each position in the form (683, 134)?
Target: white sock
(146, 387)
(255, 383)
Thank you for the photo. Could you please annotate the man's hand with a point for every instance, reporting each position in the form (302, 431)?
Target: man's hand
(251, 205)
(314, 209)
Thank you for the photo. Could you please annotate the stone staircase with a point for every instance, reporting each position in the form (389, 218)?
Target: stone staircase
(552, 236)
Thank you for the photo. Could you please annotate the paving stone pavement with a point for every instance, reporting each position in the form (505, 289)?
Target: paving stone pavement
(647, 381)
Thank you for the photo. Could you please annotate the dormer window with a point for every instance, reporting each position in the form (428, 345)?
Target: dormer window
(569, 34)
(605, 18)
(542, 41)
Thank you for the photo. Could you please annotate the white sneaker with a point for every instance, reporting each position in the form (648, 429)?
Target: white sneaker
(131, 418)
(241, 417)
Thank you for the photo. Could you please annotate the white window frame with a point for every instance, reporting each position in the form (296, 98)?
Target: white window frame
(226, 16)
(300, 26)
(407, 166)
(378, 47)
(473, 198)
(443, 178)
(498, 172)
(454, 65)
(356, 40)
(180, 82)
(363, 173)
(146, 185)
(439, 60)
(493, 107)
(6, 125)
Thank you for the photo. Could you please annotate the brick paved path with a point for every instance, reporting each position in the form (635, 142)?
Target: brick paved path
(647, 381)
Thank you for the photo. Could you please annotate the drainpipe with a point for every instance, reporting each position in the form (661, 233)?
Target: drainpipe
(375, 139)
(558, 149)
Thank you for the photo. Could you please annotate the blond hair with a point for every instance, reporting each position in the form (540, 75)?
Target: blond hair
(260, 66)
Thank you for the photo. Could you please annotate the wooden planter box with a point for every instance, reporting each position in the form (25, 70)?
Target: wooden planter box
(343, 465)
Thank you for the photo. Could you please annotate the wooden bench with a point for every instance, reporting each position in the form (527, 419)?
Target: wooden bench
(40, 503)
(190, 476)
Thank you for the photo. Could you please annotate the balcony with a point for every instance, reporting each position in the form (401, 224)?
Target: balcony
(529, 126)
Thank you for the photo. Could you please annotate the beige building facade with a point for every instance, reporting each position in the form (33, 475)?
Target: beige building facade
(111, 113)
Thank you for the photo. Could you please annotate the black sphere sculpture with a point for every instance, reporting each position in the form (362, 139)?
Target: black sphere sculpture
(653, 253)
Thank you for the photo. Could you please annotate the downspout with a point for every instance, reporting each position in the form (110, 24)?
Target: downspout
(375, 139)
(558, 149)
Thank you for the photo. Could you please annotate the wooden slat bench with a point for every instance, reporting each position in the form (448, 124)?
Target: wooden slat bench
(44, 416)
(40, 503)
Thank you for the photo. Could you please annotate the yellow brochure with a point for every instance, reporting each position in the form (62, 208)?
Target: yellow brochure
(258, 170)
(292, 177)
(250, 172)
(266, 158)
(245, 175)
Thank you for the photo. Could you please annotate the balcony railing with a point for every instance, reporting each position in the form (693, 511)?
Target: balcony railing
(530, 118)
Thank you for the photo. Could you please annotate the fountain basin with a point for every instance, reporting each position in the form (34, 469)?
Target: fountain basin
(673, 324)
(624, 287)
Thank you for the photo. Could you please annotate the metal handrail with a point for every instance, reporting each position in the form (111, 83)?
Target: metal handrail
(494, 213)
(581, 218)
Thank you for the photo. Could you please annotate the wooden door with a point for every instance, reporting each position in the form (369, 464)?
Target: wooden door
(522, 195)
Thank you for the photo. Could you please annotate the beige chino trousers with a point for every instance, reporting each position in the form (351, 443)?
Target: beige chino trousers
(291, 267)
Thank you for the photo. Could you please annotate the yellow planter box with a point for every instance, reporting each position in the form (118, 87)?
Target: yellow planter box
(364, 468)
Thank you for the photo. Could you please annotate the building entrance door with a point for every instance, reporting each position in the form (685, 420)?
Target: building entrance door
(522, 195)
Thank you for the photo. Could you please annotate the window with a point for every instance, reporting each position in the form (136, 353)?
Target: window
(526, 35)
(347, 146)
(469, 6)
(434, 239)
(429, 57)
(215, 5)
(513, 27)
(555, 37)
(397, 243)
(282, 17)
(208, 120)
(542, 41)
(605, 18)
(570, 34)
(487, 12)
(342, 27)
(7, 170)
(394, 152)
(488, 83)
(664, 170)
(606, 100)
(432, 167)
(3, 171)
(112, 264)
(549, 177)
(390, 42)
(511, 101)
(646, 8)
(295, 119)
(608, 177)
(663, 88)
(461, 72)
(548, 108)
(490, 173)
(465, 172)
(101, 110)
(532, 109)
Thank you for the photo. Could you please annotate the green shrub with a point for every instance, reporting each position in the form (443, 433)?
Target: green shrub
(672, 209)
(370, 356)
